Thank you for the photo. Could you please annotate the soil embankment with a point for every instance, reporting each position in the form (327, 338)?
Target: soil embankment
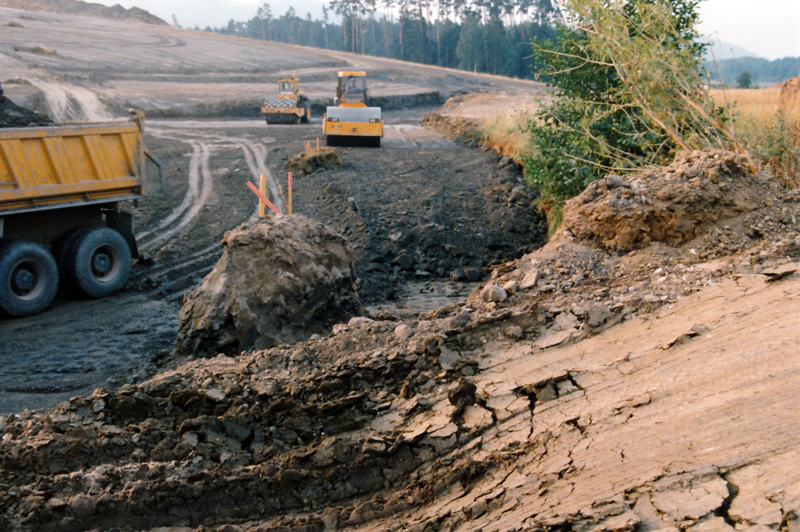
(578, 388)
(638, 372)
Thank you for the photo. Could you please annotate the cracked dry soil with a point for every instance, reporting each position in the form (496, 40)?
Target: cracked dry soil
(584, 387)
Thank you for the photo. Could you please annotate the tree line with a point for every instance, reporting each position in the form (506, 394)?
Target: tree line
(761, 71)
(490, 36)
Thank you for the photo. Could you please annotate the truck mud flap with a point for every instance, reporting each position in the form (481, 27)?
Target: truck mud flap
(122, 222)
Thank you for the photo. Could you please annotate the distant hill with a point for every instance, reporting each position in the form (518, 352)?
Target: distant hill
(78, 7)
(762, 71)
(720, 50)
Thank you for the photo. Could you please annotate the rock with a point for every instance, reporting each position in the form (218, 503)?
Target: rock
(514, 332)
(518, 194)
(494, 293)
(598, 315)
(530, 280)
(473, 274)
(511, 287)
(279, 280)
(458, 275)
(459, 320)
(403, 331)
(448, 358)
(405, 261)
(360, 321)
(566, 321)
(477, 417)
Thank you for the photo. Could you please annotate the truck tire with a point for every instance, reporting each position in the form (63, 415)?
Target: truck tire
(97, 263)
(306, 113)
(59, 250)
(28, 278)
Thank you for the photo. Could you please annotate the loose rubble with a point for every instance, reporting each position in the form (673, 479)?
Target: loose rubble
(12, 115)
(584, 387)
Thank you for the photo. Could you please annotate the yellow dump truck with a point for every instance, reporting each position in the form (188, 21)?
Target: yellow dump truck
(60, 218)
(351, 121)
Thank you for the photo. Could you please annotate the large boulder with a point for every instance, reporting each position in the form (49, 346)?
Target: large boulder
(279, 280)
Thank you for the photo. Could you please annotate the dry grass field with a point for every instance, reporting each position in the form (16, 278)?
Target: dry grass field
(769, 132)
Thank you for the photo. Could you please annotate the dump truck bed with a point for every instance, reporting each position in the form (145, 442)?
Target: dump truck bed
(52, 167)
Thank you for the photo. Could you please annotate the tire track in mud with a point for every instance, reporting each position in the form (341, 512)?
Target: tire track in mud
(200, 187)
(175, 274)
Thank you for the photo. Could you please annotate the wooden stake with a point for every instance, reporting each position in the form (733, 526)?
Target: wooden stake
(290, 193)
(263, 198)
(262, 187)
(317, 144)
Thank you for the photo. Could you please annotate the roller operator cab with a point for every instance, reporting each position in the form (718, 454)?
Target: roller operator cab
(351, 121)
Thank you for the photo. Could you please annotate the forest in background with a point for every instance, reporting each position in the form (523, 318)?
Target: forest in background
(762, 71)
(481, 36)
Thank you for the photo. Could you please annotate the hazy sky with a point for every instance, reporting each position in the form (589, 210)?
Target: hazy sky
(767, 28)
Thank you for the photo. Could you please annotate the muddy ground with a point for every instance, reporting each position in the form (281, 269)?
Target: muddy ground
(426, 216)
(99, 68)
(637, 373)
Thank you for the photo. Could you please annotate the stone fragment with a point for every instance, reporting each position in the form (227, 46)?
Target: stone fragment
(693, 503)
(459, 320)
(530, 280)
(477, 418)
(553, 338)
(448, 358)
(493, 293)
(514, 332)
(566, 321)
(511, 287)
(598, 315)
(403, 331)
(360, 321)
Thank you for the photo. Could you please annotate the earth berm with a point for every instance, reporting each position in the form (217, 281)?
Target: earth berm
(639, 372)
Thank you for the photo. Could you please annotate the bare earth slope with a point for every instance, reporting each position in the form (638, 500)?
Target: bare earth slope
(579, 389)
(84, 8)
(77, 68)
(637, 373)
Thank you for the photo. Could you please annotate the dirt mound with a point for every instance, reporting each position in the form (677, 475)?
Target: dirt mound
(790, 93)
(12, 115)
(465, 131)
(78, 7)
(310, 161)
(672, 205)
(279, 280)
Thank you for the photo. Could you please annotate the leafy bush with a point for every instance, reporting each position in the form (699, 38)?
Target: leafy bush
(629, 93)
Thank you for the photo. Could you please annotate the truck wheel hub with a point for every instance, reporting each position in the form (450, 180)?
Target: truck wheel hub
(23, 279)
(101, 263)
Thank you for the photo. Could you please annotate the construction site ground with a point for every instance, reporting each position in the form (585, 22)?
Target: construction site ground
(637, 372)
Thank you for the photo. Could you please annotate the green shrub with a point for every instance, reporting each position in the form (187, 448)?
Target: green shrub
(629, 93)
